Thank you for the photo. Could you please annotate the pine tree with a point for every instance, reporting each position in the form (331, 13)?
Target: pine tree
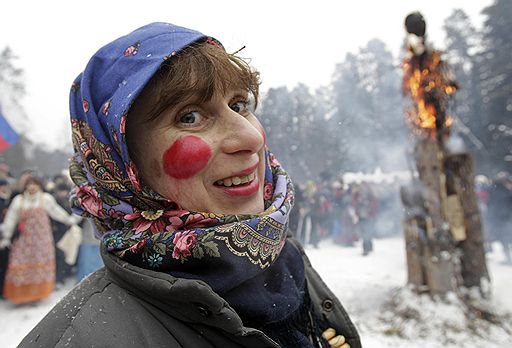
(462, 41)
(369, 109)
(12, 89)
(495, 72)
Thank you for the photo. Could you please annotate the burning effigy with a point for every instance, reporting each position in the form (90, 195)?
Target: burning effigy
(442, 227)
(429, 84)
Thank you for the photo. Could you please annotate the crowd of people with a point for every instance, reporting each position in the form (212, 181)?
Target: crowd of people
(357, 212)
(42, 245)
(332, 208)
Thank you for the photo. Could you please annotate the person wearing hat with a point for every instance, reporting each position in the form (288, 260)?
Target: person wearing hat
(190, 206)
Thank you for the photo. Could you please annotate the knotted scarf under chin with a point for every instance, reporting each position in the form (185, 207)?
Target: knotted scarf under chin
(244, 258)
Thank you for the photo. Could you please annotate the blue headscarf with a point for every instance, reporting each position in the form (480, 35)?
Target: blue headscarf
(248, 260)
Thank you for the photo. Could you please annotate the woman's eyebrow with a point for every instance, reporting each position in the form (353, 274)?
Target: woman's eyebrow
(173, 102)
(188, 99)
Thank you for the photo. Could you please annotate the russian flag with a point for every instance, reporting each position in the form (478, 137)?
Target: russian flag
(8, 135)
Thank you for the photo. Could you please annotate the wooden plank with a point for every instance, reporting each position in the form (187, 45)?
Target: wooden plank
(473, 263)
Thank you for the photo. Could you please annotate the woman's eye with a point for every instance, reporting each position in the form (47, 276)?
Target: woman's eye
(239, 107)
(191, 118)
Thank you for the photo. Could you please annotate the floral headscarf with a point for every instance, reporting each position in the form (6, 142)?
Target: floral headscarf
(150, 231)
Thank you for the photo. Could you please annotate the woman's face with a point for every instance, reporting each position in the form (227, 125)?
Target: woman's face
(205, 156)
(32, 188)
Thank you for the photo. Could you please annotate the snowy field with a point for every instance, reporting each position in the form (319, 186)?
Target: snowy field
(366, 287)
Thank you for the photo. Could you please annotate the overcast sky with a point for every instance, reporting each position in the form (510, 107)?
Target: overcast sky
(288, 41)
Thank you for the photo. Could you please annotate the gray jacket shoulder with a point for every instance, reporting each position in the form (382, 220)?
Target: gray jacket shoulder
(85, 317)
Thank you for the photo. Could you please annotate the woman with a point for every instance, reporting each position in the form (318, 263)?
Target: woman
(192, 210)
(30, 272)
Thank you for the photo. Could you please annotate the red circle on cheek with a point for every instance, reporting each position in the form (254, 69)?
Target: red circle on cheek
(186, 157)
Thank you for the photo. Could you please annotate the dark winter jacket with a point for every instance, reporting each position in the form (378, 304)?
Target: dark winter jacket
(122, 305)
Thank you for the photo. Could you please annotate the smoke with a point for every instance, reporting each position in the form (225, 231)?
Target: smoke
(455, 145)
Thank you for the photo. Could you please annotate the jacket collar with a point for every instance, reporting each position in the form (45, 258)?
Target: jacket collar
(187, 300)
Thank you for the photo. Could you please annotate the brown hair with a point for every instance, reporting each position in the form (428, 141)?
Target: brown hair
(201, 69)
(33, 180)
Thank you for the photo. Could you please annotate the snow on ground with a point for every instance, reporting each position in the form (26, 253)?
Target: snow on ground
(372, 290)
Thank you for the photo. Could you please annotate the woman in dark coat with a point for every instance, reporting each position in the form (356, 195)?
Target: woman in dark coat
(190, 206)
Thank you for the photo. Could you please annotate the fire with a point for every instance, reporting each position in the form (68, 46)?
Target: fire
(427, 82)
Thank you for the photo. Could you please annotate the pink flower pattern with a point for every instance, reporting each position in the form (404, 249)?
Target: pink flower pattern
(268, 191)
(137, 247)
(90, 200)
(184, 242)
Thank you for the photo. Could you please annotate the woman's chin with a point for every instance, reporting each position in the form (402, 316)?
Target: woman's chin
(255, 206)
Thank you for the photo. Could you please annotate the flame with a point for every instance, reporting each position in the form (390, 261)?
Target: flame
(426, 81)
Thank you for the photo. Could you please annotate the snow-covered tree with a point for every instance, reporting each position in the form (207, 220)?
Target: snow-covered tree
(12, 90)
(495, 72)
(369, 111)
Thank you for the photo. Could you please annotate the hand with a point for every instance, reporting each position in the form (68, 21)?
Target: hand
(4, 243)
(335, 341)
(75, 219)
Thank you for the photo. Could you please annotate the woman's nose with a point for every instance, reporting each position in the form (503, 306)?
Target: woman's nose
(241, 133)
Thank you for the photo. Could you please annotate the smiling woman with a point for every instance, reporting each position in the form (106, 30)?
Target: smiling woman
(192, 135)
(191, 208)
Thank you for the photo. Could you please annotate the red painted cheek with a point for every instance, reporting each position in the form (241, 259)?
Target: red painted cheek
(186, 157)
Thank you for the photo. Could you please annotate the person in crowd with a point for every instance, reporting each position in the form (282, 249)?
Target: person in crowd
(365, 208)
(191, 208)
(321, 207)
(308, 194)
(5, 171)
(30, 272)
(20, 184)
(482, 191)
(5, 199)
(61, 194)
(296, 218)
(500, 201)
(349, 235)
(338, 193)
(89, 259)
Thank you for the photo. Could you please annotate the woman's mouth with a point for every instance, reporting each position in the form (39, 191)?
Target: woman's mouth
(236, 180)
(240, 185)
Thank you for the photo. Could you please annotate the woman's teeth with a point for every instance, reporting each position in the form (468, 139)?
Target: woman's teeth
(236, 180)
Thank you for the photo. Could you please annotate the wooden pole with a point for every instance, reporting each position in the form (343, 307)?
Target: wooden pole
(473, 263)
(440, 264)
